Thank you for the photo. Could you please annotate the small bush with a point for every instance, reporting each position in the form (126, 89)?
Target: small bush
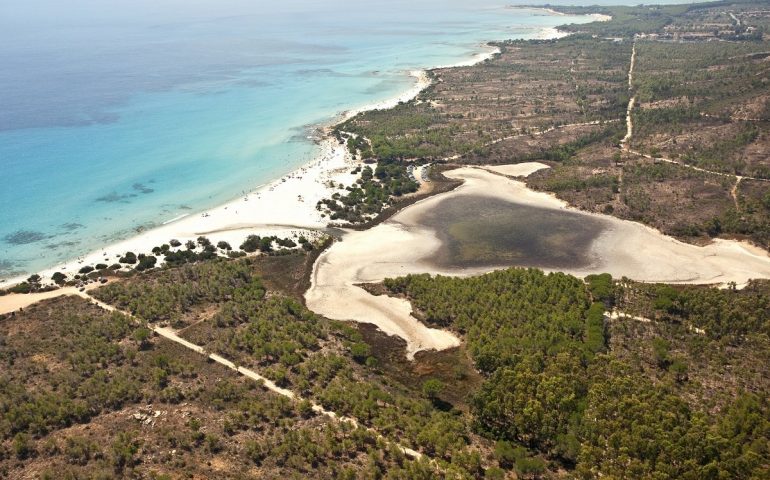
(129, 258)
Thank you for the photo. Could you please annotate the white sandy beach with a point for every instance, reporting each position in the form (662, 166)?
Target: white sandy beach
(285, 207)
(550, 33)
(401, 246)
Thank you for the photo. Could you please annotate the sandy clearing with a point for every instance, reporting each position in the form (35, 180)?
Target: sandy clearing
(14, 301)
(402, 246)
(518, 169)
(395, 252)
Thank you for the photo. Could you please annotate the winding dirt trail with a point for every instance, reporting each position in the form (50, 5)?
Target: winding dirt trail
(624, 143)
(734, 192)
(618, 315)
(537, 133)
(699, 169)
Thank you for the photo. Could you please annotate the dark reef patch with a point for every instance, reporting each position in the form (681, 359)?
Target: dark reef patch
(114, 197)
(141, 188)
(71, 226)
(24, 237)
(67, 244)
(9, 268)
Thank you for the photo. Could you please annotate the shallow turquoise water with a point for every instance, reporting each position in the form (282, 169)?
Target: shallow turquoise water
(118, 117)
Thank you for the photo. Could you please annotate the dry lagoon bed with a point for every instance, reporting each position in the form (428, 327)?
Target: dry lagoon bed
(404, 245)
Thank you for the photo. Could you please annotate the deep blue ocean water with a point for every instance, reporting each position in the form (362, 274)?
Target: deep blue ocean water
(120, 115)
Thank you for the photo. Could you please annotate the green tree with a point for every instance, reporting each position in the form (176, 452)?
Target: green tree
(124, 450)
(432, 388)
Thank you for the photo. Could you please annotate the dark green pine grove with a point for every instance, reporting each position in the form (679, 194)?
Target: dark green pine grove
(550, 388)
(680, 392)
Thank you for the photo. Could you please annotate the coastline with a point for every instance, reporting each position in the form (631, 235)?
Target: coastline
(285, 207)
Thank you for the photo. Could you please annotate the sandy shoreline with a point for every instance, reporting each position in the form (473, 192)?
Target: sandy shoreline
(285, 207)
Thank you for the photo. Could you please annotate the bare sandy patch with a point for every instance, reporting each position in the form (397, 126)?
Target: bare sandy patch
(15, 301)
(519, 169)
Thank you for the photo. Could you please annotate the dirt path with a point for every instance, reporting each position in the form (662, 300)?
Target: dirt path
(698, 169)
(21, 301)
(16, 301)
(618, 315)
(171, 335)
(734, 192)
(538, 133)
(630, 130)
(631, 101)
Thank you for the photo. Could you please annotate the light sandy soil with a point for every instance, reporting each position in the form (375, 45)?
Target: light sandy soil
(15, 301)
(362, 257)
(401, 246)
(518, 169)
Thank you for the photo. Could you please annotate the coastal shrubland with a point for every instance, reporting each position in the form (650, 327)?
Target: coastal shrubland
(271, 332)
(557, 389)
(85, 394)
(530, 87)
(171, 293)
(696, 21)
(701, 103)
(373, 190)
(556, 376)
(482, 113)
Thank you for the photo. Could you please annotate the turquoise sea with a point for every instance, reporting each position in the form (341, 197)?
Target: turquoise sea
(119, 115)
